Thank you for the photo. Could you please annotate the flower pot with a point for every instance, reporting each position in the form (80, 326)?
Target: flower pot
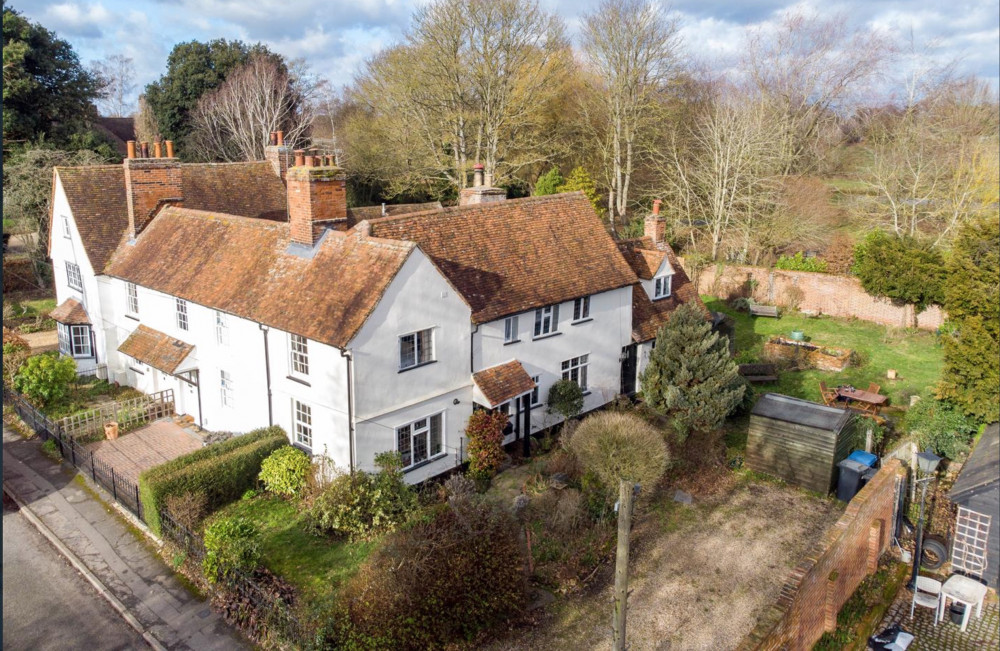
(111, 430)
(956, 612)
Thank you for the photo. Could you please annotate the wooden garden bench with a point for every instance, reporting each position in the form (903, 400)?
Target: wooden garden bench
(759, 372)
(764, 310)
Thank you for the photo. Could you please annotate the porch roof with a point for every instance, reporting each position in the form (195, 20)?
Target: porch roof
(70, 312)
(159, 350)
(498, 384)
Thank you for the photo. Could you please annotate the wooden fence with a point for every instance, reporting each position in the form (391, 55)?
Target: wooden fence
(129, 414)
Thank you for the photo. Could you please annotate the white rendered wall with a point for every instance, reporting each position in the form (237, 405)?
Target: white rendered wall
(419, 297)
(602, 338)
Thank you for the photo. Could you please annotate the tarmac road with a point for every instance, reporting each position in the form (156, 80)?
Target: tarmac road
(46, 603)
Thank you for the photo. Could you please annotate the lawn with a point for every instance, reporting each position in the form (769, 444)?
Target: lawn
(33, 307)
(915, 355)
(317, 566)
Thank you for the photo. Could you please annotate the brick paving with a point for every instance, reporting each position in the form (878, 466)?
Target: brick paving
(156, 443)
(982, 633)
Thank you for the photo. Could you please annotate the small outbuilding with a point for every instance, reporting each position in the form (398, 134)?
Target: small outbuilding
(976, 492)
(799, 441)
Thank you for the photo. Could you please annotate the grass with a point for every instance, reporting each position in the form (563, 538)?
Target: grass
(317, 566)
(915, 355)
(34, 307)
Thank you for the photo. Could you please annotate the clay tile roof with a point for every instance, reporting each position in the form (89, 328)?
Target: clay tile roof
(242, 266)
(504, 382)
(649, 316)
(513, 256)
(70, 312)
(159, 350)
(96, 195)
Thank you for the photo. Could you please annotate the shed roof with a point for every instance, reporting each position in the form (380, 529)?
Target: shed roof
(801, 412)
(503, 382)
(982, 469)
(70, 312)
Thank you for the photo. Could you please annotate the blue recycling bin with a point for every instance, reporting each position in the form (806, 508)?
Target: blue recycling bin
(866, 458)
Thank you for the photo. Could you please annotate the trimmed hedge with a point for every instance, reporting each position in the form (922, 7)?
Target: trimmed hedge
(222, 472)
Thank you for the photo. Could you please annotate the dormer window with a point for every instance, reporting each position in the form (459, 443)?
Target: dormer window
(661, 286)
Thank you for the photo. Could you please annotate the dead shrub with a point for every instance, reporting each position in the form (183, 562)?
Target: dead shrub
(187, 509)
(619, 447)
(794, 297)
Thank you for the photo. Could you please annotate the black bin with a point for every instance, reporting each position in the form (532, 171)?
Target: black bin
(850, 479)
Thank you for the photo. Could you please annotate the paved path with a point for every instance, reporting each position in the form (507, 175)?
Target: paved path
(156, 443)
(41, 342)
(94, 538)
(983, 633)
(46, 603)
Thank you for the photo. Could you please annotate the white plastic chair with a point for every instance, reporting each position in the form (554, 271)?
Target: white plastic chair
(928, 595)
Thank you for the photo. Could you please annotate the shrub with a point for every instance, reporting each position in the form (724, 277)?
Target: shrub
(902, 269)
(455, 571)
(285, 471)
(616, 446)
(231, 545)
(941, 426)
(51, 449)
(361, 504)
(13, 359)
(187, 509)
(566, 399)
(46, 378)
(799, 262)
(485, 434)
(746, 403)
(222, 472)
(549, 182)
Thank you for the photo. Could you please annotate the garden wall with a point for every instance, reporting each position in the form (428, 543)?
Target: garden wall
(818, 587)
(822, 293)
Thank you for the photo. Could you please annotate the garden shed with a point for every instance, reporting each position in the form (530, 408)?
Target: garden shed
(798, 441)
(977, 494)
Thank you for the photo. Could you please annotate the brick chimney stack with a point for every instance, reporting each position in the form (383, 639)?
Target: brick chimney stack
(278, 154)
(655, 226)
(481, 191)
(317, 197)
(150, 183)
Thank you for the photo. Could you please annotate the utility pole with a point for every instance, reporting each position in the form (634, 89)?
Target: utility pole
(626, 492)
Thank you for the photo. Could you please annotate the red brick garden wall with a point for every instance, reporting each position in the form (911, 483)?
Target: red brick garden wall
(818, 587)
(822, 293)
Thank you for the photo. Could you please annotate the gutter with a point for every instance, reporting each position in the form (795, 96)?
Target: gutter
(472, 348)
(351, 431)
(267, 374)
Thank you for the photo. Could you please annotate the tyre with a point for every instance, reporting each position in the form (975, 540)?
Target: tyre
(934, 552)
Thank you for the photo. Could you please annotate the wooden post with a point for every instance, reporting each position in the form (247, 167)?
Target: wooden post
(621, 563)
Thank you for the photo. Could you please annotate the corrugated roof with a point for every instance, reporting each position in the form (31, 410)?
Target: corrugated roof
(982, 469)
(801, 412)
(242, 266)
(70, 312)
(159, 350)
(516, 255)
(503, 382)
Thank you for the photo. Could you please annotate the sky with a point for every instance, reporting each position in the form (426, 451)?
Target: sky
(336, 36)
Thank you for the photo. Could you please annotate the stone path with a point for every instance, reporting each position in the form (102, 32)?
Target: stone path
(41, 342)
(983, 633)
(149, 446)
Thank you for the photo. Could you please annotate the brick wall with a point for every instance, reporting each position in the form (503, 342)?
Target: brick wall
(822, 293)
(818, 587)
(315, 194)
(149, 182)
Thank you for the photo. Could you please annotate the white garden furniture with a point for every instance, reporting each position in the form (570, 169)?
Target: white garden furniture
(963, 590)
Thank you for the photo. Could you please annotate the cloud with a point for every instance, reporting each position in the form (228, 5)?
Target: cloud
(76, 19)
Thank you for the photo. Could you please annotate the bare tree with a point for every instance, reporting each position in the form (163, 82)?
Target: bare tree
(631, 46)
(116, 74)
(146, 128)
(233, 122)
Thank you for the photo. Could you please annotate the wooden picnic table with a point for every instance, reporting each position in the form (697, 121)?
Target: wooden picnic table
(871, 401)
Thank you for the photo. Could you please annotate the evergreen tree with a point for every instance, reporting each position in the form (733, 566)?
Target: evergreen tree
(578, 179)
(971, 377)
(902, 269)
(690, 376)
(549, 182)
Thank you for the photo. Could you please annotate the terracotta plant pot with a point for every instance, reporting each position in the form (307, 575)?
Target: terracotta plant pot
(111, 430)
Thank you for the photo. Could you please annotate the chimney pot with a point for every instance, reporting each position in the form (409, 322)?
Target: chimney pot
(477, 175)
(280, 135)
(145, 150)
(656, 206)
(131, 148)
(299, 158)
(157, 151)
(272, 139)
(170, 148)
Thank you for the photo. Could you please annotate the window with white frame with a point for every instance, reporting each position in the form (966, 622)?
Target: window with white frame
(302, 423)
(182, 314)
(65, 227)
(575, 370)
(535, 397)
(416, 348)
(73, 277)
(546, 320)
(581, 308)
(298, 348)
(661, 286)
(74, 340)
(226, 388)
(132, 304)
(420, 440)
(510, 330)
(221, 328)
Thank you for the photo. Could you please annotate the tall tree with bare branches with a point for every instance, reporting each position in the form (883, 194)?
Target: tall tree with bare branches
(116, 74)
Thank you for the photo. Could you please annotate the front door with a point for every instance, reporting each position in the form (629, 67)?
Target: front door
(628, 358)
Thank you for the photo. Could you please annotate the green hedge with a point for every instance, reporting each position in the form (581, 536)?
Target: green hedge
(222, 472)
